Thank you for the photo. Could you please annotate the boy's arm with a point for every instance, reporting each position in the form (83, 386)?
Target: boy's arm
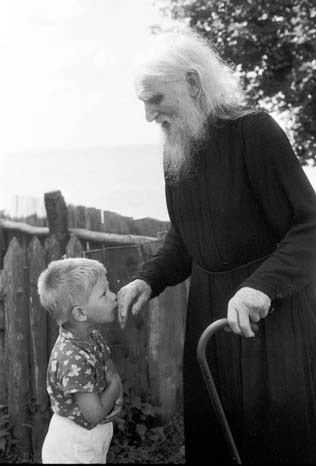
(94, 406)
(119, 401)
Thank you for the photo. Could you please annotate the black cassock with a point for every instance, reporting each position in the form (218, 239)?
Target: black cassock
(246, 216)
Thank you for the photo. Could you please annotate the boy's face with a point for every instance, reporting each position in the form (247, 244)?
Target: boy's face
(101, 306)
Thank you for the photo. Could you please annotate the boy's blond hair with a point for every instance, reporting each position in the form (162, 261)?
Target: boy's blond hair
(67, 283)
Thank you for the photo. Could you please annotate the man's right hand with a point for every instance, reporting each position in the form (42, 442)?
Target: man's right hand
(132, 296)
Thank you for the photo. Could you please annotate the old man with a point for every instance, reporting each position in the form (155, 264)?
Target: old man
(243, 226)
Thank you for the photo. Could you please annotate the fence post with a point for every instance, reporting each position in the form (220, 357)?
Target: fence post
(128, 344)
(166, 321)
(57, 217)
(16, 328)
(3, 385)
(166, 324)
(52, 253)
(38, 337)
(74, 247)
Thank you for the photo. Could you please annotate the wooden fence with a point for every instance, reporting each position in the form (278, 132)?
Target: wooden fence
(147, 352)
(107, 221)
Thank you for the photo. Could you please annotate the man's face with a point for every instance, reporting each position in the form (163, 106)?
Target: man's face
(163, 101)
(183, 123)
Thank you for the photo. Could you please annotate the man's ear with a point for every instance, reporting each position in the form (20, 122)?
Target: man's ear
(79, 314)
(193, 79)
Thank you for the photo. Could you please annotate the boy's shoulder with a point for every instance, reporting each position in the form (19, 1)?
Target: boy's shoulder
(63, 350)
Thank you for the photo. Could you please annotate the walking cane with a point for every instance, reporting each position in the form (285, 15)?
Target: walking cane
(216, 402)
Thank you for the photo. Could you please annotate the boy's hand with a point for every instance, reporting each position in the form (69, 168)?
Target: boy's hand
(116, 411)
(112, 378)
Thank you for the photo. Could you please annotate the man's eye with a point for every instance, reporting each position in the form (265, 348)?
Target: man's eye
(156, 99)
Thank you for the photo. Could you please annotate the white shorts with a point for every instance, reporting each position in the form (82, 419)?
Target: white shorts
(67, 442)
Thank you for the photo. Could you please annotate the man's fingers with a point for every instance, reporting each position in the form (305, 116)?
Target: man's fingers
(142, 300)
(254, 327)
(124, 301)
(244, 324)
(239, 322)
(254, 316)
(232, 317)
(132, 297)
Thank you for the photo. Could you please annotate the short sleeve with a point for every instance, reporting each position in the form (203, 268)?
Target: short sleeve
(77, 374)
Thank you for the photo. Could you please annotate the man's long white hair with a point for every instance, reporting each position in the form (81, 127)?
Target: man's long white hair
(171, 54)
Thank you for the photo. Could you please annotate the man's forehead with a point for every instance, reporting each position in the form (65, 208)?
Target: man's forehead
(148, 87)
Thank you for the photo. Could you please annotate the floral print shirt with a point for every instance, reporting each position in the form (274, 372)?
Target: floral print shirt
(76, 365)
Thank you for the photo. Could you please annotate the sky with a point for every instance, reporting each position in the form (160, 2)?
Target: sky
(66, 92)
(69, 116)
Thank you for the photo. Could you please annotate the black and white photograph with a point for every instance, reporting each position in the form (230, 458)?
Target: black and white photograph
(158, 232)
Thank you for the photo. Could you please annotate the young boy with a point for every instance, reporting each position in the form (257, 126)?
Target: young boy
(84, 387)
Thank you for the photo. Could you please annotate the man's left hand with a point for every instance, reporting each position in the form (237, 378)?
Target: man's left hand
(245, 309)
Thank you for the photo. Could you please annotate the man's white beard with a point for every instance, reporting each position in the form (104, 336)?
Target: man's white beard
(182, 136)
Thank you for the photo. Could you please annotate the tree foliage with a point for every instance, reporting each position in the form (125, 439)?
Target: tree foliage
(273, 45)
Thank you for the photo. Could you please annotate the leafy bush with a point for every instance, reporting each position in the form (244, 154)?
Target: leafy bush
(140, 436)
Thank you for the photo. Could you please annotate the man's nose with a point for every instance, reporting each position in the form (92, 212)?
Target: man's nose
(150, 112)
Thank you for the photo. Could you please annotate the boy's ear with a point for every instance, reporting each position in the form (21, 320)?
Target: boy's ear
(79, 314)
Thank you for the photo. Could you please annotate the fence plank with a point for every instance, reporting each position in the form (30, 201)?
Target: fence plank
(74, 247)
(93, 219)
(116, 223)
(3, 380)
(71, 216)
(16, 319)
(128, 345)
(38, 356)
(80, 216)
(52, 253)
(166, 322)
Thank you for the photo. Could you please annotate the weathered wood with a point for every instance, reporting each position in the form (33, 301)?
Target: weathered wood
(71, 216)
(166, 324)
(57, 217)
(149, 226)
(74, 247)
(3, 379)
(16, 319)
(99, 237)
(24, 228)
(52, 249)
(128, 345)
(38, 353)
(116, 223)
(52, 254)
(93, 219)
(80, 216)
(2, 247)
(2, 317)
